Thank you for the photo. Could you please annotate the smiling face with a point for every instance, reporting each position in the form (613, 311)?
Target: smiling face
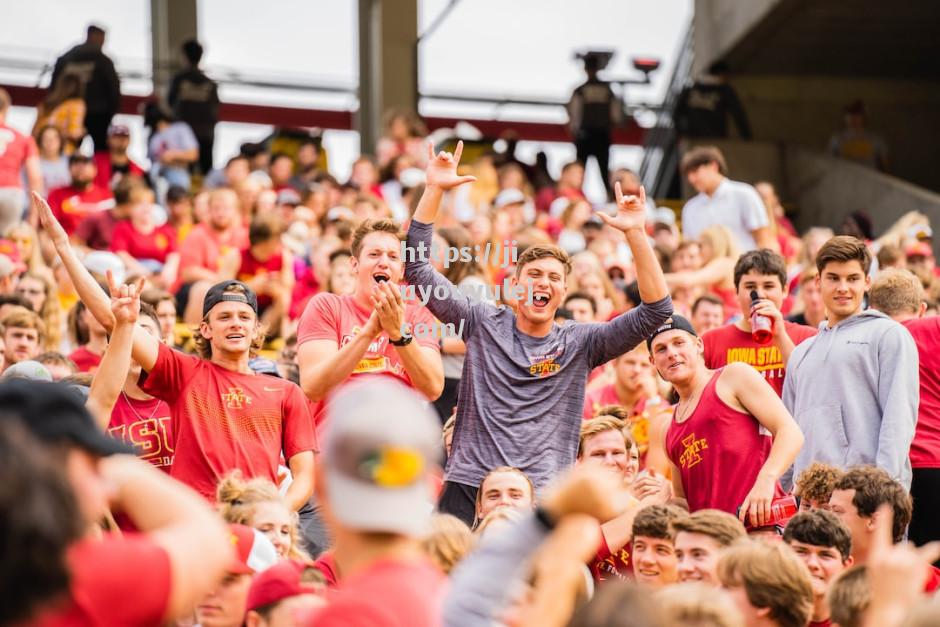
(676, 355)
(378, 261)
(508, 489)
(273, 519)
(697, 557)
(654, 561)
(843, 285)
(231, 328)
(823, 562)
(611, 450)
(540, 285)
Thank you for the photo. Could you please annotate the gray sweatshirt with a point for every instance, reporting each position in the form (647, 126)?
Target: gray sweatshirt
(521, 397)
(854, 391)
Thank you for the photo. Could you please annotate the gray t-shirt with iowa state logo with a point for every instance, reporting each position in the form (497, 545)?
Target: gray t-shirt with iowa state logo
(520, 397)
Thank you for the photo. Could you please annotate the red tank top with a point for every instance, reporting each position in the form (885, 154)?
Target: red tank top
(719, 452)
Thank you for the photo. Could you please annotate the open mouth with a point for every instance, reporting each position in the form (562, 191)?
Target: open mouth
(648, 573)
(540, 299)
(380, 277)
(235, 336)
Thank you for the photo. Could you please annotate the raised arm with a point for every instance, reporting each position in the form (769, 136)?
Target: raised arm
(146, 346)
(441, 177)
(624, 332)
(109, 378)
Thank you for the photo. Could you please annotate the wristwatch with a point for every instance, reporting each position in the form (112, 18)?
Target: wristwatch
(405, 339)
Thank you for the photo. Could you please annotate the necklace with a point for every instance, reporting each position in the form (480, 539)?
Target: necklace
(685, 410)
(134, 409)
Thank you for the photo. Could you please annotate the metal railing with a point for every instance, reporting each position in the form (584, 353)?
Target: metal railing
(661, 154)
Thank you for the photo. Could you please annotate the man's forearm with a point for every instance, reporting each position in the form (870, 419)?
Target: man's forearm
(426, 371)
(786, 445)
(786, 347)
(649, 276)
(301, 488)
(336, 368)
(428, 205)
(89, 292)
(108, 382)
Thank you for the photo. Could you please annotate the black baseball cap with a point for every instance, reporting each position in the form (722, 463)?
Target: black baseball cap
(54, 413)
(675, 322)
(217, 294)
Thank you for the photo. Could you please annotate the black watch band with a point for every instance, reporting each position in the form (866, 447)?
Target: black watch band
(404, 340)
(545, 518)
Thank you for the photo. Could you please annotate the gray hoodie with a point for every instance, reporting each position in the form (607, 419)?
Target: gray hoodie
(854, 391)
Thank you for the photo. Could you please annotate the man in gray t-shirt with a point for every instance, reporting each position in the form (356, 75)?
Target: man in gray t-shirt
(522, 390)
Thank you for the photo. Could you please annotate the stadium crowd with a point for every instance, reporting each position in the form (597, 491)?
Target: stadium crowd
(221, 408)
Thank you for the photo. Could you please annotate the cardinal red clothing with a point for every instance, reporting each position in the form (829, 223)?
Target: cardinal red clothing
(925, 449)
(156, 244)
(146, 425)
(72, 205)
(117, 580)
(827, 622)
(97, 230)
(326, 564)
(340, 318)
(933, 580)
(107, 172)
(203, 247)
(388, 593)
(86, 360)
(640, 414)
(223, 420)
(728, 344)
(718, 451)
(252, 267)
(15, 149)
(608, 566)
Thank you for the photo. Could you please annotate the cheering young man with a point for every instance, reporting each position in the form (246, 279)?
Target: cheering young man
(523, 384)
(224, 417)
(716, 440)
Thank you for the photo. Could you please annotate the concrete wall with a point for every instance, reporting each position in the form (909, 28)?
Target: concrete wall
(719, 24)
(806, 111)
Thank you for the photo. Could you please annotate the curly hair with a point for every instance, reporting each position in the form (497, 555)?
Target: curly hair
(817, 482)
(237, 500)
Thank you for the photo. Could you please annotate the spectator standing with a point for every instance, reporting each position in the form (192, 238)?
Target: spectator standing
(854, 387)
(856, 143)
(194, 98)
(114, 163)
(703, 108)
(53, 164)
(17, 152)
(722, 201)
(172, 149)
(82, 198)
(899, 294)
(100, 80)
(404, 135)
(593, 112)
(64, 108)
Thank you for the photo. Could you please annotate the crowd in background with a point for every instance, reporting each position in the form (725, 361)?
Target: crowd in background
(220, 404)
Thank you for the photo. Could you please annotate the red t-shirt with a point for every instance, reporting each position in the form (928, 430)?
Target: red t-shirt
(116, 581)
(340, 318)
(718, 451)
(15, 149)
(97, 230)
(86, 360)
(104, 177)
(925, 449)
(607, 566)
(71, 205)
(203, 247)
(146, 425)
(826, 622)
(156, 244)
(251, 267)
(389, 593)
(933, 580)
(728, 344)
(223, 420)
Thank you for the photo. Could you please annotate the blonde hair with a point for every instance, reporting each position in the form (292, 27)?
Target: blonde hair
(895, 291)
(449, 542)
(699, 605)
(238, 499)
(772, 576)
(51, 312)
(503, 512)
(204, 346)
(34, 261)
(720, 239)
(849, 595)
(608, 418)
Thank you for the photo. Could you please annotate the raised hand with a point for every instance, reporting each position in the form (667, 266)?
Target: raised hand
(125, 299)
(631, 211)
(48, 220)
(442, 169)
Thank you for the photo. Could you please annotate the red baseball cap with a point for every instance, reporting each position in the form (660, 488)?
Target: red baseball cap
(254, 553)
(281, 581)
